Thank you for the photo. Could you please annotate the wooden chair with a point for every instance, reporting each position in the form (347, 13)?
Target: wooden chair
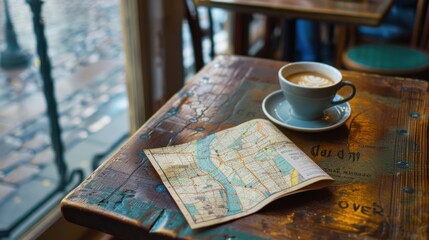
(395, 59)
(241, 44)
(197, 34)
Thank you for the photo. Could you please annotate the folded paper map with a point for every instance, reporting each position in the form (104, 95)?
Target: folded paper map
(234, 172)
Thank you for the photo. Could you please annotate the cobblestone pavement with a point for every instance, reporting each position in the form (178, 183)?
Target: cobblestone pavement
(79, 33)
(85, 49)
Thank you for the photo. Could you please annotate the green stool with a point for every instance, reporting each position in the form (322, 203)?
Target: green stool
(386, 59)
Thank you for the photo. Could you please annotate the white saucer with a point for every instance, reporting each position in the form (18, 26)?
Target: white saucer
(278, 110)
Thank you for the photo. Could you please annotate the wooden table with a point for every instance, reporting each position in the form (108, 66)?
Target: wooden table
(358, 12)
(379, 159)
(362, 12)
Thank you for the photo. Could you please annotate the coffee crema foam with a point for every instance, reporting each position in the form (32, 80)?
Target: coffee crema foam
(308, 79)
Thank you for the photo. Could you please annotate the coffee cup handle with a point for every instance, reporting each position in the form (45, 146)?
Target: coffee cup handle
(350, 96)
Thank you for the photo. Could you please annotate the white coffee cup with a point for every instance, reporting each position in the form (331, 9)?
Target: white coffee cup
(310, 88)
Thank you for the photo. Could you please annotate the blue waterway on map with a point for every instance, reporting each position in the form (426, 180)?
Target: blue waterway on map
(283, 165)
(192, 209)
(236, 181)
(206, 164)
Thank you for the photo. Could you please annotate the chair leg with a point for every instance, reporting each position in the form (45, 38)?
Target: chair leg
(269, 38)
(289, 36)
(241, 33)
(193, 21)
(211, 34)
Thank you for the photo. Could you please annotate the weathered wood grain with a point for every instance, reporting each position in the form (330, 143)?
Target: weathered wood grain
(379, 159)
(362, 12)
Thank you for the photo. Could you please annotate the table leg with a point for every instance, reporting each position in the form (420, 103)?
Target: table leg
(341, 44)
